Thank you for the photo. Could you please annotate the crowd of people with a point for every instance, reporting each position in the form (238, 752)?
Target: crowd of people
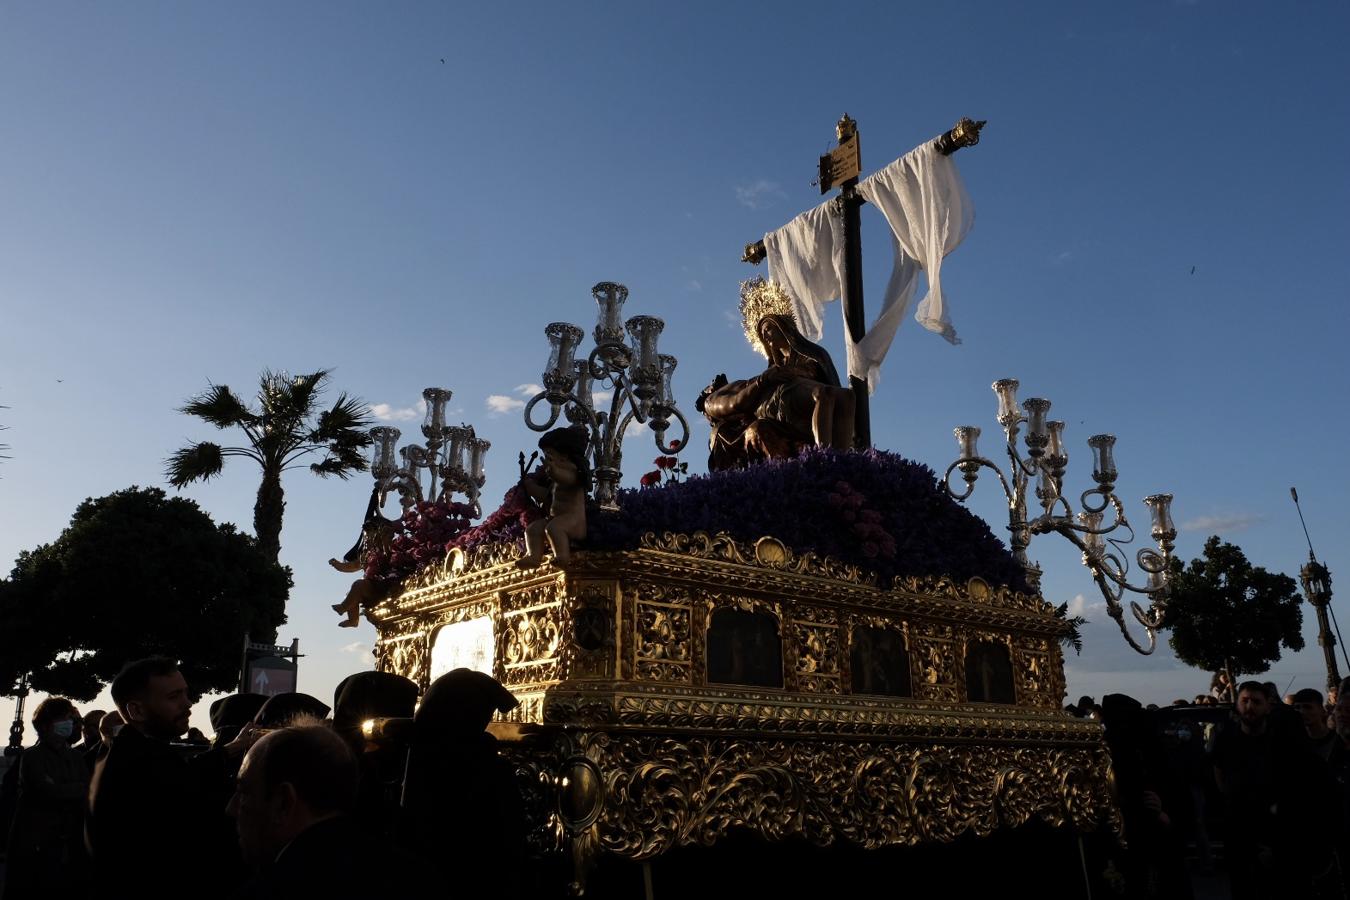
(285, 801)
(1266, 778)
(386, 794)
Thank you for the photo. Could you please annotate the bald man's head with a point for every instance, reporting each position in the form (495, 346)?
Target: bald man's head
(291, 779)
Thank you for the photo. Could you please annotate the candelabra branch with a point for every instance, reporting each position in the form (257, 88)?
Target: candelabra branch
(1102, 545)
(555, 412)
(636, 375)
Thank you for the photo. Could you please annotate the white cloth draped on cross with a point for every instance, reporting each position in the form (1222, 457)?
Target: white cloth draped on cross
(925, 202)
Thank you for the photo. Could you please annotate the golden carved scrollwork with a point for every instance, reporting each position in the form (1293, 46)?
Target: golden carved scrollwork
(407, 654)
(768, 553)
(935, 648)
(976, 590)
(592, 639)
(815, 650)
(664, 791)
(663, 641)
(529, 636)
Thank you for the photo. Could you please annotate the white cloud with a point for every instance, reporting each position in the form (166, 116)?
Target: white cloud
(501, 404)
(759, 194)
(636, 429)
(601, 399)
(1079, 606)
(386, 412)
(1228, 522)
(361, 651)
(694, 285)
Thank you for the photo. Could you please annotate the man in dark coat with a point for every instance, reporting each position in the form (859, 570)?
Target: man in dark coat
(292, 805)
(150, 803)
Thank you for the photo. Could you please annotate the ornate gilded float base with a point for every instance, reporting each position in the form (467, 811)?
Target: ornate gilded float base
(640, 795)
(695, 686)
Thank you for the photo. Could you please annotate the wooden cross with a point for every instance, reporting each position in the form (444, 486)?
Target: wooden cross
(840, 168)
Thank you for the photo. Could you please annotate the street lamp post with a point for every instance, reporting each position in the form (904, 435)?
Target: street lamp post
(1317, 589)
(1045, 461)
(16, 727)
(1316, 580)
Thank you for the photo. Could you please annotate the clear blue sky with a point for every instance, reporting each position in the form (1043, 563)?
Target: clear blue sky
(409, 192)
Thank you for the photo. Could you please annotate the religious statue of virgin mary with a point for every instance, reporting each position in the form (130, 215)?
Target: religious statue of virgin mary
(797, 401)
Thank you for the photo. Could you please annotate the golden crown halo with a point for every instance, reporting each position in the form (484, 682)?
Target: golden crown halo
(760, 298)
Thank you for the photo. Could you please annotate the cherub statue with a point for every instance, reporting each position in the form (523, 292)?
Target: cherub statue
(376, 533)
(795, 402)
(559, 486)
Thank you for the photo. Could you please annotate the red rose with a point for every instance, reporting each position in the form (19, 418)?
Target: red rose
(650, 479)
(675, 445)
(662, 462)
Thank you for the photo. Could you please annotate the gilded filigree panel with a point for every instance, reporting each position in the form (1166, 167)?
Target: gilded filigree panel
(667, 791)
(664, 644)
(936, 649)
(530, 635)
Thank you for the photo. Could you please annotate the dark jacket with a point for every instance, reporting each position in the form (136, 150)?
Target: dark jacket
(46, 853)
(334, 860)
(157, 811)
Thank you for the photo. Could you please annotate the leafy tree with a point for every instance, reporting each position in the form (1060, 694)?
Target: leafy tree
(136, 573)
(278, 435)
(1227, 615)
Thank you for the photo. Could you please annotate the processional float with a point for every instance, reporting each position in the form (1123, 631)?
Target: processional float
(813, 621)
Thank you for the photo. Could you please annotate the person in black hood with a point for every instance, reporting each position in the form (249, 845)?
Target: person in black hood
(231, 713)
(281, 709)
(462, 810)
(375, 695)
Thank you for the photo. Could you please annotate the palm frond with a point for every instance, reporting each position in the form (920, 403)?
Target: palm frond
(346, 423)
(195, 462)
(1072, 635)
(220, 406)
(342, 462)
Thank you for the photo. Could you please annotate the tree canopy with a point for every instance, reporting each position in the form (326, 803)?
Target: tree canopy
(136, 574)
(1226, 614)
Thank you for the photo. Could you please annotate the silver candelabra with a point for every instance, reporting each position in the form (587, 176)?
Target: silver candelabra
(1045, 461)
(637, 376)
(452, 458)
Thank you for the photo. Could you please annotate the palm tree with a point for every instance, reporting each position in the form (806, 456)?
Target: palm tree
(278, 437)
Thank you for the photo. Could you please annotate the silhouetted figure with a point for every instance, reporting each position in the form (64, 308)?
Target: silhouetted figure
(462, 810)
(281, 709)
(1154, 803)
(375, 695)
(231, 713)
(153, 811)
(46, 857)
(108, 727)
(88, 730)
(292, 806)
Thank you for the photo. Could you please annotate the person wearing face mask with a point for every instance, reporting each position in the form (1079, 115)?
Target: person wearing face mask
(46, 855)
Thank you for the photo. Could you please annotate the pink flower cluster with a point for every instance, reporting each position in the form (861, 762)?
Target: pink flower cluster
(866, 524)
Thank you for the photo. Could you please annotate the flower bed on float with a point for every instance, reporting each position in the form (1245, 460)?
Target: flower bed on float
(873, 509)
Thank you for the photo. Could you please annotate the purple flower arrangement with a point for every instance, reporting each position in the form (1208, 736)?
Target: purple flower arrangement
(873, 509)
